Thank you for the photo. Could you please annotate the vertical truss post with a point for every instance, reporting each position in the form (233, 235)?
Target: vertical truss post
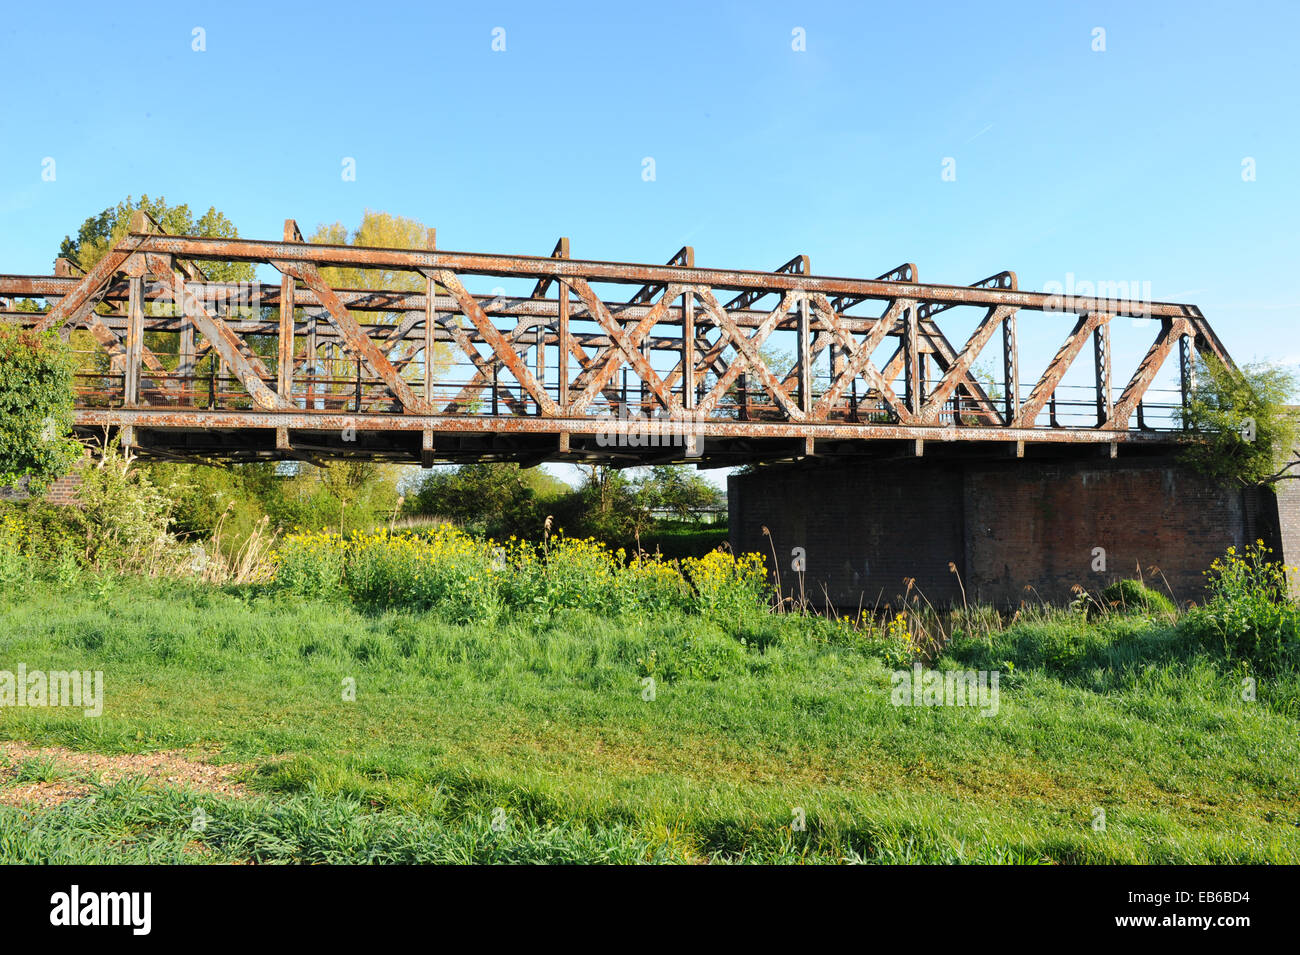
(285, 377)
(185, 358)
(541, 354)
(645, 386)
(688, 350)
(1101, 354)
(805, 359)
(563, 340)
(1011, 367)
(923, 378)
(312, 359)
(134, 341)
(912, 362)
(562, 369)
(430, 324)
(1186, 373)
(430, 319)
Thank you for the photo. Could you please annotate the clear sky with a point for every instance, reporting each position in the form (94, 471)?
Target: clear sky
(1125, 163)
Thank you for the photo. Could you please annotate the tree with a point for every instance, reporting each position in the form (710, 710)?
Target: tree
(678, 489)
(378, 230)
(368, 488)
(383, 230)
(101, 232)
(1243, 430)
(35, 407)
(499, 499)
(606, 506)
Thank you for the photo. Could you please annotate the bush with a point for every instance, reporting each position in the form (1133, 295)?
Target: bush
(124, 515)
(1249, 615)
(728, 589)
(465, 578)
(1132, 596)
(310, 564)
(36, 528)
(447, 571)
(35, 407)
(1244, 431)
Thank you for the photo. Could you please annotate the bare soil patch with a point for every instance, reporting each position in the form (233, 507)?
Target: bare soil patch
(173, 768)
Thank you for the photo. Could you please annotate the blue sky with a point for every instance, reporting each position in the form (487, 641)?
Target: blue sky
(1122, 164)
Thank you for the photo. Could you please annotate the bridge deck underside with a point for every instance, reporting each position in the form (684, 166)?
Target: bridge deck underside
(267, 437)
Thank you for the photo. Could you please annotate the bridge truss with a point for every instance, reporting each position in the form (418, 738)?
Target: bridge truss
(582, 360)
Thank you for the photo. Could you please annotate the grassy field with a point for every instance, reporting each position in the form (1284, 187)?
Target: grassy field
(676, 539)
(530, 737)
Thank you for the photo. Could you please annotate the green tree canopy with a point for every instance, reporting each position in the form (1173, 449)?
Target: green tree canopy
(498, 498)
(35, 407)
(676, 488)
(101, 232)
(1244, 430)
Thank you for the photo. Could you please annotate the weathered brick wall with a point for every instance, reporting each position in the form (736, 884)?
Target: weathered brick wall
(1049, 525)
(62, 491)
(1005, 525)
(1288, 512)
(863, 528)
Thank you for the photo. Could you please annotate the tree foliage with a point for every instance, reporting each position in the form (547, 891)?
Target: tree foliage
(378, 230)
(613, 505)
(496, 498)
(383, 230)
(1244, 430)
(677, 489)
(35, 407)
(101, 232)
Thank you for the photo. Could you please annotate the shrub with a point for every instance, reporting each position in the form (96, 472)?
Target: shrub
(1248, 614)
(39, 529)
(447, 571)
(728, 589)
(1132, 596)
(465, 578)
(1244, 431)
(310, 564)
(35, 407)
(568, 573)
(124, 515)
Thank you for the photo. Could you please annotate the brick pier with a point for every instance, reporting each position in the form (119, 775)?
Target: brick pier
(1006, 525)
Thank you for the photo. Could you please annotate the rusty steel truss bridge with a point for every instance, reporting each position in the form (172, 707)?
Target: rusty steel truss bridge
(584, 360)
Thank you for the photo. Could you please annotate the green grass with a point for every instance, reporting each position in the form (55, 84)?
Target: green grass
(544, 718)
(678, 539)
